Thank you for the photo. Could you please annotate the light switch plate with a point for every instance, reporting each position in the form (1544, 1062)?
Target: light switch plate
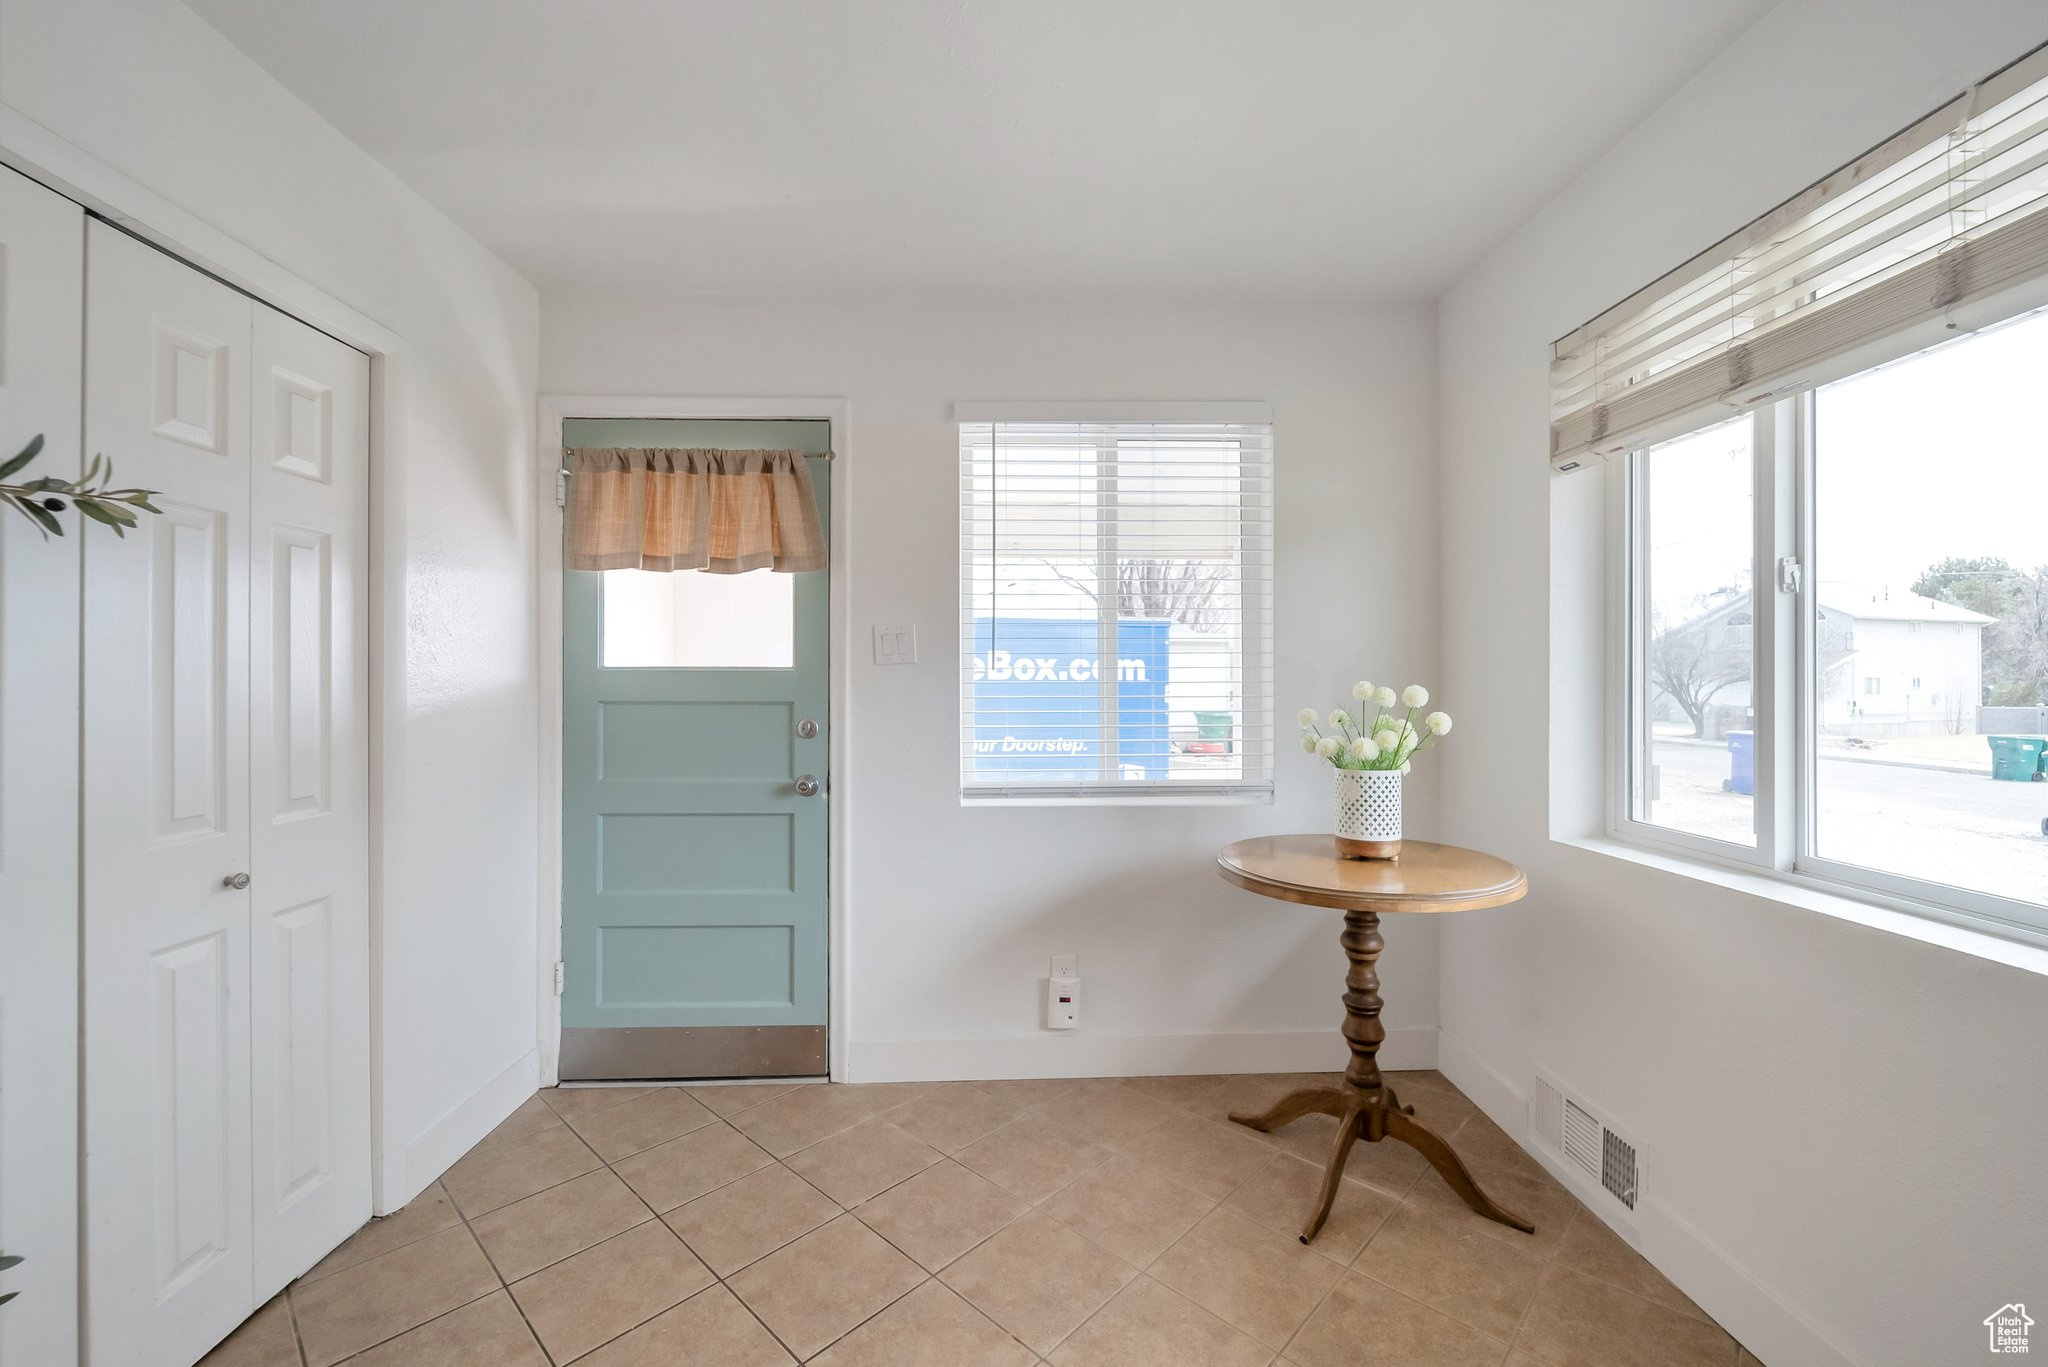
(896, 645)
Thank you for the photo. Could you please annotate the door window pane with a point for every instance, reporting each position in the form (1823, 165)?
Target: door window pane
(693, 620)
(1693, 614)
(1931, 569)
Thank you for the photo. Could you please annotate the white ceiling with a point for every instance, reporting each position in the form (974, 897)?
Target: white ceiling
(1356, 149)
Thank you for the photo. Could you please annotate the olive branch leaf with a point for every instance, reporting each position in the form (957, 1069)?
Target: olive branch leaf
(40, 500)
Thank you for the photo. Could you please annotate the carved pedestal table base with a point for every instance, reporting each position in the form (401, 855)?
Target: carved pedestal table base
(1439, 878)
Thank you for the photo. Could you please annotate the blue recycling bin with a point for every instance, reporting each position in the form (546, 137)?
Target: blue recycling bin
(1741, 763)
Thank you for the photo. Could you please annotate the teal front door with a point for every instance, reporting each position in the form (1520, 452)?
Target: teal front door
(694, 739)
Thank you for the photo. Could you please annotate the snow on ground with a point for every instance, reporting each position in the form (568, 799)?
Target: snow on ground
(1949, 825)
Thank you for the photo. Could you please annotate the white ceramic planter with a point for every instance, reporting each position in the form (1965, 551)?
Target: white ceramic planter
(1369, 813)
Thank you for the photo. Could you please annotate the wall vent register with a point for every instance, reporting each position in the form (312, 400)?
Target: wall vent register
(1586, 1143)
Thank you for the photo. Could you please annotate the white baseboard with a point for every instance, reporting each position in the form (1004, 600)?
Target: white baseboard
(435, 1149)
(1502, 1100)
(1774, 1333)
(1082, 1055)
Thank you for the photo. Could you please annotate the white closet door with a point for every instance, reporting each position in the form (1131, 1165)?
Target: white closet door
(42, 293)
(166, 774)
(308, 794)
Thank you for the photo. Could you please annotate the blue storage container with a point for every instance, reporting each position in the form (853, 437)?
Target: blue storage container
(1037, 714)
(1741, 763)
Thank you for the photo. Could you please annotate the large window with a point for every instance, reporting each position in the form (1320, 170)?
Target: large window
(1826, 439)
(1853, 685)
(1115, 600)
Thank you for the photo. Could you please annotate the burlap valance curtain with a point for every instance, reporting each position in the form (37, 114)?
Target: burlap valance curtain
(725, 512)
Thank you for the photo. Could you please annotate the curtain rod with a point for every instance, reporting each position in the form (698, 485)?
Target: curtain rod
(807, 455)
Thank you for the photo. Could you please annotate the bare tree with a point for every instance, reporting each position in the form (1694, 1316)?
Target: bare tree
(1693, 661)
(1957, 708)
(1194, 593)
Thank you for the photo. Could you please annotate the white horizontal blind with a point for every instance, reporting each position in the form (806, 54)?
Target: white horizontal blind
(1882, 258)
(1116, 592)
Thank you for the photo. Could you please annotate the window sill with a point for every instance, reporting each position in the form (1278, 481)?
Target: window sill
(2014, 946)
(1031, 802)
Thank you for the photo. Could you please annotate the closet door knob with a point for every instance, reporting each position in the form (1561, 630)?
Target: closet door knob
(237, 881)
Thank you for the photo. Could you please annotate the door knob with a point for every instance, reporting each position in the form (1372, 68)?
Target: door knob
(807, 785)
(237, 881)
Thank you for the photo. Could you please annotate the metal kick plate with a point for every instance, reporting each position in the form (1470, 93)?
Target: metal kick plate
(594, 1054)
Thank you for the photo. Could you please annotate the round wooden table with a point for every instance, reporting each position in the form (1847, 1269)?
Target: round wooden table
(1426, 877)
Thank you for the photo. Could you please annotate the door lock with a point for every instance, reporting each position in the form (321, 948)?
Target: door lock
(237, 881)
(807, 728)
(807, 785)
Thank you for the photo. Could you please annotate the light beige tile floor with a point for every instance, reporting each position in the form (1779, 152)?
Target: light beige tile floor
(1077, 1222)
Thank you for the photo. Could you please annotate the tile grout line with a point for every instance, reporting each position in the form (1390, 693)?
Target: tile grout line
(1346, 1269)
(926, 1274)
(654, 1216)
(431, 1319)
(300, 1280)
(1276, 1153)
(1551, 1264)
(719, 1281)
(291, 1311)
(1633, 1295)
(503, 1285)
(1521, 1324)
(465, 1220)
(883, 1310)
(291, 1293)
(1144, 1269)
(661, 1217)
(1195, 1112)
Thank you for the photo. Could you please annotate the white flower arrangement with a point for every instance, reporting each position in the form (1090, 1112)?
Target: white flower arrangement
(1383, 739)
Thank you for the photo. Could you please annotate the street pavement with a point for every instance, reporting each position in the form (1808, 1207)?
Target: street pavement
(1965, 829)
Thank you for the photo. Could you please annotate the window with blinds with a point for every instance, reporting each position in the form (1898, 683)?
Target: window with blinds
(1938, 231)
(1116, 591)
(1822, 445)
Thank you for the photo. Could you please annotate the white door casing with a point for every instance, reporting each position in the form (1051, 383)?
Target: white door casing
(308, 794)
(226, 1035)
(42, 290)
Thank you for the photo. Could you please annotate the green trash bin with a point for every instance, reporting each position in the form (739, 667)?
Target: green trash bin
(1213, 732)
(2017, 759)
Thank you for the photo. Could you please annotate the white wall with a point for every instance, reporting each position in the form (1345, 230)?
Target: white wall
(154, 95)
(954, 912)
(1841, 1123)
(1946, 657)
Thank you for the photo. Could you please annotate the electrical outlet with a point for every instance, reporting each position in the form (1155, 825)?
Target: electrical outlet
(1066, 965)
